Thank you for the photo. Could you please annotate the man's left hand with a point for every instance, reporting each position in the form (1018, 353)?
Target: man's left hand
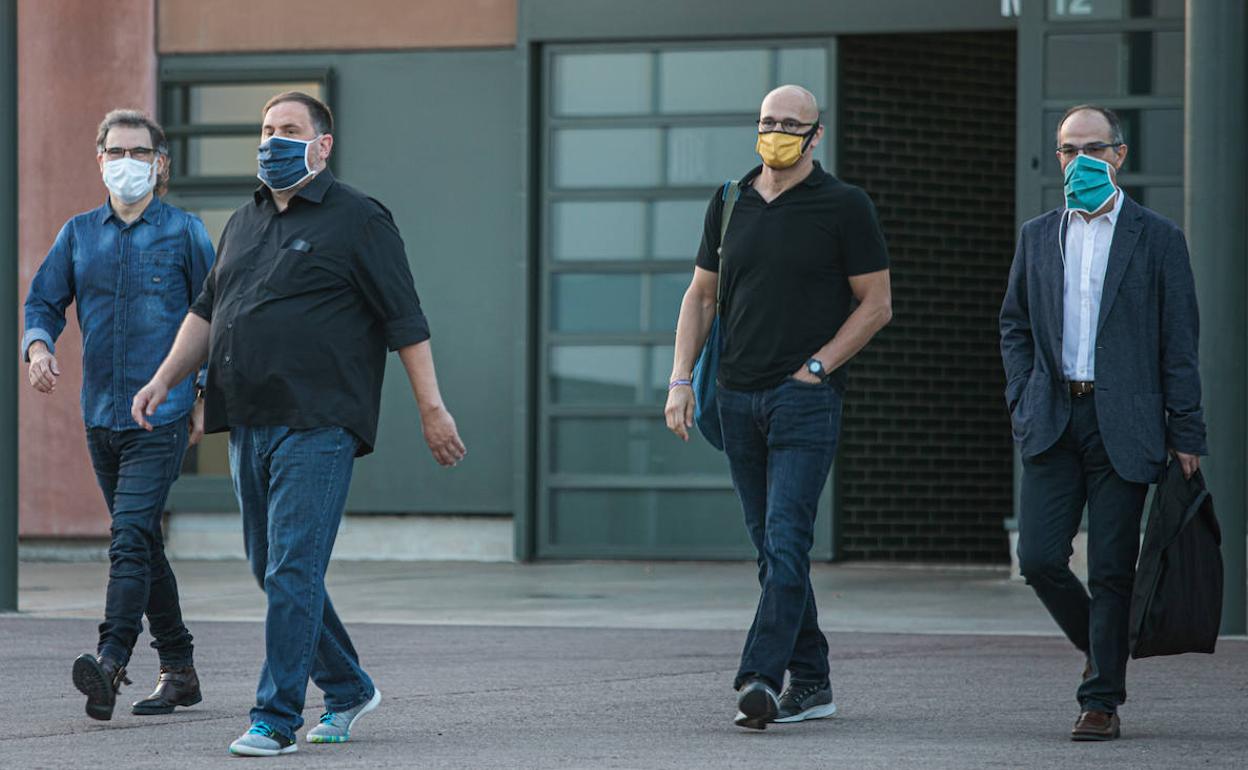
(442, 436)
(1189, 463)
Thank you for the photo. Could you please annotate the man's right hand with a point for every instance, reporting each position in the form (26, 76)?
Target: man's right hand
(679, 410)
(43, 369)
(150, 396)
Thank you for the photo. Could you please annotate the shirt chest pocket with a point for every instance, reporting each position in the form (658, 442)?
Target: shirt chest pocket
(296, 272)
(163, 274)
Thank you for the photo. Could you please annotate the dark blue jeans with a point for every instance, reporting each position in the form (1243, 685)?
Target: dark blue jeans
(1056, 484)
(292, 487)
(135, 469)
(780, 443)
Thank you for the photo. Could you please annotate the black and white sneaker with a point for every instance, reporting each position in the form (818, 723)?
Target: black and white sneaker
(757, 705)
(806, 700)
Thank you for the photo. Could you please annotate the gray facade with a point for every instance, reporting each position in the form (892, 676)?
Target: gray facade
(550, 196)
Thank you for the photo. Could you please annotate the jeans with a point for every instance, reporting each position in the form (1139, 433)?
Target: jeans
(291, 487)
(135, 469)
(1056, 483)
(780, 443)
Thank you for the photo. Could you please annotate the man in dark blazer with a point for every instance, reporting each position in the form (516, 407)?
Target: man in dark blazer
(1099, 334)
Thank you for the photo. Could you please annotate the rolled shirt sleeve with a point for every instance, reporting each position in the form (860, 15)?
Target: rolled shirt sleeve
(384, 279)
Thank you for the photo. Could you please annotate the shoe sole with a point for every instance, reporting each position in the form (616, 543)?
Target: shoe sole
(372, 704)
(814, 712)
(1095, 737)
(150, 711)
(756, 710)
(90, 680)
(252, 751)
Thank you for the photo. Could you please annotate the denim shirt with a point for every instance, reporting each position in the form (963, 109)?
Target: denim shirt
(133, 285)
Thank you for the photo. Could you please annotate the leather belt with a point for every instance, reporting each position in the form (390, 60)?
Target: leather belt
(1080, 389)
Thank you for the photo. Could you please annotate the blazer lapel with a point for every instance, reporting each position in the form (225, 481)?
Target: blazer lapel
(1126, 234)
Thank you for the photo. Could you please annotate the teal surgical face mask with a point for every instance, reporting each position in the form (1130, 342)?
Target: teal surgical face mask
(1089, 183)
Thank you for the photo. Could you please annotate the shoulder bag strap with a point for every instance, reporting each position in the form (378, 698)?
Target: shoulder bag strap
(732, 190)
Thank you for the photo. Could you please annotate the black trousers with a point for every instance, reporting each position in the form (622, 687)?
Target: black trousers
(1056, 484)
(135, 470)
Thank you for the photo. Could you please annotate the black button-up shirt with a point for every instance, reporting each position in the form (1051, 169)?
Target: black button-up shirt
(786, 270)
(303, 305)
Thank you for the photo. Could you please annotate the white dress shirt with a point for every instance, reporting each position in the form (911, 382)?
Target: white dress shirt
(1086, 257)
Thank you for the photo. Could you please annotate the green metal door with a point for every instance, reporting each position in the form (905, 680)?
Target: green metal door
(634, 140)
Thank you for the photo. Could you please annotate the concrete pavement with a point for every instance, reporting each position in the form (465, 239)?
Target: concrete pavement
(622, 665)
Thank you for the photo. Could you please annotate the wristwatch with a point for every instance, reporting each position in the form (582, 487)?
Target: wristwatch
(815, 367)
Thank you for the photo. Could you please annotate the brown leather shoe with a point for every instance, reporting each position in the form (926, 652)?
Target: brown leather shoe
(175, 687)
(99, 679)
(1096, 726)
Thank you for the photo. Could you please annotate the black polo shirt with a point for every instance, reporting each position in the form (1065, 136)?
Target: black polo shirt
(786, 269)
(303, 305)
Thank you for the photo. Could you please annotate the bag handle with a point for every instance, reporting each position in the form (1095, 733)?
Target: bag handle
(729, 195)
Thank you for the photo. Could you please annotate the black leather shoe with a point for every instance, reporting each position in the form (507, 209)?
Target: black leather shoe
(175, 687)
(99, 679)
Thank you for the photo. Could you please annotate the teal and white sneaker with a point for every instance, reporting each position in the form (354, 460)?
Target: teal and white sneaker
(335, 726)
(261, 740)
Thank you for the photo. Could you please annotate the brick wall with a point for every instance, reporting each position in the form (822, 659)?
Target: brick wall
(927, 127)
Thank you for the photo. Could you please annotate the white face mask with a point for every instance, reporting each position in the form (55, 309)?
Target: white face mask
(129, 179)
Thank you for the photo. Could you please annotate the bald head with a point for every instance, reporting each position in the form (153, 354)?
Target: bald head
(790, 102)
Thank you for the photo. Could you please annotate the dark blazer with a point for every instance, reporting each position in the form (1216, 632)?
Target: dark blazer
(1147, 381)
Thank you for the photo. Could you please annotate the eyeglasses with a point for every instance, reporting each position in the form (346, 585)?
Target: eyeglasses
(788, 125)
(144, 154)
(1091, 148)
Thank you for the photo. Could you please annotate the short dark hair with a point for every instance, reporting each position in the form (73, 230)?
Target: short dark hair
(322, 118)
(1111, 117)
(131, 118)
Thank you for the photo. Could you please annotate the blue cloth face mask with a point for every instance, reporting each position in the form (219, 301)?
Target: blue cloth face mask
(283, 162)
(1088, 184)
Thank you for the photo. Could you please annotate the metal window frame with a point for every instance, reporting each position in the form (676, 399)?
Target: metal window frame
(175, 83)
(537, 541)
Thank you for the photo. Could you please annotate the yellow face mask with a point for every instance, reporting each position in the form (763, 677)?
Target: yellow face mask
(780, 150)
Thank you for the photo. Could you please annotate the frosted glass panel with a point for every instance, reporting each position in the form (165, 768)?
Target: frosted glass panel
(713, 81)
(603, 84)
(710, 156)
(607, 157)
(599, 230)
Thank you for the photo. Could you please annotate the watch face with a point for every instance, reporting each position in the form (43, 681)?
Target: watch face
(814, 367)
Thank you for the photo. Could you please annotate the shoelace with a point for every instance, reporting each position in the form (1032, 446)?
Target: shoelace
(328, 717)
(261, 728)
(804, 693)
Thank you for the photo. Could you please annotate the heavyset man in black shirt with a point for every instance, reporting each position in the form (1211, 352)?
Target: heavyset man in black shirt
(800, 247)
(310, 288)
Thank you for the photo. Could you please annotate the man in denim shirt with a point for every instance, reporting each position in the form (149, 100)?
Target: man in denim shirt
(133, 266)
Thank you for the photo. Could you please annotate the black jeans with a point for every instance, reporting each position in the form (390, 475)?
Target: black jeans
(780, 443)
(135, 470)
(1056, 484)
